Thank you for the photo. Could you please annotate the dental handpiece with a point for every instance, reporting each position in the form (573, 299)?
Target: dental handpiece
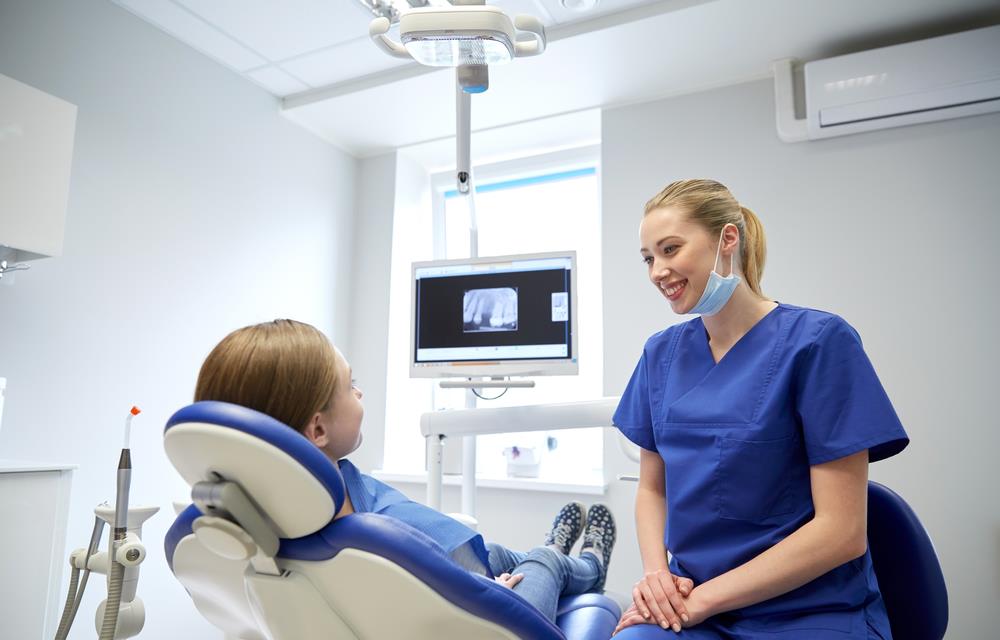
(124, 480)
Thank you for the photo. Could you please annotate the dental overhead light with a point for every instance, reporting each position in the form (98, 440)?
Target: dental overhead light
(469, 36)
(459, 35)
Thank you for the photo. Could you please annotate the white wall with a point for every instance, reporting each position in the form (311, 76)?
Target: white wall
(194, 208)
(369, 306)
(895, 231)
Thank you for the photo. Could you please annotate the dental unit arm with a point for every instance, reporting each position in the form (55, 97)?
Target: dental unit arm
(122, 614)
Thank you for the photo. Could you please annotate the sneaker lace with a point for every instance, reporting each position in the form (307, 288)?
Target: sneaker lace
(561, 535)
(595, 536)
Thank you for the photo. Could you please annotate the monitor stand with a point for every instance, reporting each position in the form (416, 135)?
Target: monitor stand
(492, 383)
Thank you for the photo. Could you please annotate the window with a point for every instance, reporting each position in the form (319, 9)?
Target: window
(547, 203)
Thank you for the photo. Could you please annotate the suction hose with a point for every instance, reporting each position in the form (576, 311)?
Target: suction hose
(110, 622)
(75, 595)
(67, 615)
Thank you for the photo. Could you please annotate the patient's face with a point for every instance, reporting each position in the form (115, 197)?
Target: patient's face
(345, 414)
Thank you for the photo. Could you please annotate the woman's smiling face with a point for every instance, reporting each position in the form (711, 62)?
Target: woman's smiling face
(679, 256)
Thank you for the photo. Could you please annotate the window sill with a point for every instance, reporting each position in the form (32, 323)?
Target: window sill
(594, 485)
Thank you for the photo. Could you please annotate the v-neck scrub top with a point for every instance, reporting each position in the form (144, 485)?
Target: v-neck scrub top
(737, 439)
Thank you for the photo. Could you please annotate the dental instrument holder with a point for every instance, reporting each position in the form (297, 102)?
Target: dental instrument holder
(128, 551)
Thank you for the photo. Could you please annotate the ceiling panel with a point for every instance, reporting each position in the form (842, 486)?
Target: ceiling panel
(562, 15)
(195, 32)
(692, 49)
(356, 58)
(280, 30)
(408, 110)
(344, 88)
(276, 81)
(530, 7)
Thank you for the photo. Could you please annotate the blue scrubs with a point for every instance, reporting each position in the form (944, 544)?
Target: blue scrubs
(737, 439)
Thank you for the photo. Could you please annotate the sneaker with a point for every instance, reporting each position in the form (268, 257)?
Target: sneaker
(566, 527)
(599, 533)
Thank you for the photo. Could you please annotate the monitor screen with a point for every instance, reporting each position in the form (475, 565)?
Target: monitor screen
(502, 316)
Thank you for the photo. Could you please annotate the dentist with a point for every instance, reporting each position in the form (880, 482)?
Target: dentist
(757, 421)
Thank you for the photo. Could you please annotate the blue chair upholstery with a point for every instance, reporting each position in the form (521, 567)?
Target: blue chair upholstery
(905, 564)
(584, 617)
(907, 568)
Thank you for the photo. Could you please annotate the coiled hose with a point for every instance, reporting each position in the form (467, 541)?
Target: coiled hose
(67, 615)
(110, 622)
(75, 595)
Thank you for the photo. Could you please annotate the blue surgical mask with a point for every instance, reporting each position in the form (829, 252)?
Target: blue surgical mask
(718, 290)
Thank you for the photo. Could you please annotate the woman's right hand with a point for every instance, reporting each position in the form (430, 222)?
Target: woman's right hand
(659, 599)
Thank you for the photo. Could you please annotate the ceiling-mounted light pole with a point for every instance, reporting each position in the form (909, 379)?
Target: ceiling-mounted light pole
(469, 36)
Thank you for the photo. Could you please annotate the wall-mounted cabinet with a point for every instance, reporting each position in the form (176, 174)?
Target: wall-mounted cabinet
(36, 151)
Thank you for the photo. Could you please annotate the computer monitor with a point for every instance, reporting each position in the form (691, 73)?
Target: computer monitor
(500, 316)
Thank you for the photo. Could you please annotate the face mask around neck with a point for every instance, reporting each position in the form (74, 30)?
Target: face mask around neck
(718, 289)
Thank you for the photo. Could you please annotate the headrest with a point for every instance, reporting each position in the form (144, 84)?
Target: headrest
(292, 482)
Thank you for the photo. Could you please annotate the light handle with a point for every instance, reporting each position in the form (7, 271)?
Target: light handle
(377, 30)
(534, 26)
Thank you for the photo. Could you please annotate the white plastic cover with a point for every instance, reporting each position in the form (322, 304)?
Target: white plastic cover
(294, 500)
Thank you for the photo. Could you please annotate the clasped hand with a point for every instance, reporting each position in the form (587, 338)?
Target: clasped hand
(664, 599)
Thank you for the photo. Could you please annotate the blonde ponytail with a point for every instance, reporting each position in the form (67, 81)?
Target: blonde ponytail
(753, 253)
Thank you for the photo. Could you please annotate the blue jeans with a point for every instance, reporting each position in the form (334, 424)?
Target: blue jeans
(548, 574)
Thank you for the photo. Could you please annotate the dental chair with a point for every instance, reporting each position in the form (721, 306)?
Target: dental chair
(909, 574)
(263, 559)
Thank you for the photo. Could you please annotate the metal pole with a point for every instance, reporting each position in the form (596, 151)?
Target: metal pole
(463, 138)
(435, 445)
(469, 464)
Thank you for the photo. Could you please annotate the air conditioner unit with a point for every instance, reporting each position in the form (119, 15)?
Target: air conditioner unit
(935, 79)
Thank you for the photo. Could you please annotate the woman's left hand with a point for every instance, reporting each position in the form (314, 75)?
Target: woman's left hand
(697, 609)
(509, 581)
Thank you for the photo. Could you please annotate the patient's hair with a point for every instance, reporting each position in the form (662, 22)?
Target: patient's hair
(711, 205)
(283, 368)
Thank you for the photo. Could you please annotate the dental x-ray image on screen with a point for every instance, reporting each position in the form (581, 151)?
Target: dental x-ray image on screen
(495, 316)
(489, 309)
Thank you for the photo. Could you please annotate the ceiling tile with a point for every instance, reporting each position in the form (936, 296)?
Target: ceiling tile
(690, 49)
(276, 81)
(562, 15)
(530, 7)
(281, 30)
(357, 58)
(193, 31)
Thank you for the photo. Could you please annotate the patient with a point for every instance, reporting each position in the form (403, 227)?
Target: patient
(290, 371)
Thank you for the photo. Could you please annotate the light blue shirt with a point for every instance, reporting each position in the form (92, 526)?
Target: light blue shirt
(368, 495)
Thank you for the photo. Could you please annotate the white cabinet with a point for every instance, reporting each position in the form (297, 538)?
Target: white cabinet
(36, 151)
(34, 500)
